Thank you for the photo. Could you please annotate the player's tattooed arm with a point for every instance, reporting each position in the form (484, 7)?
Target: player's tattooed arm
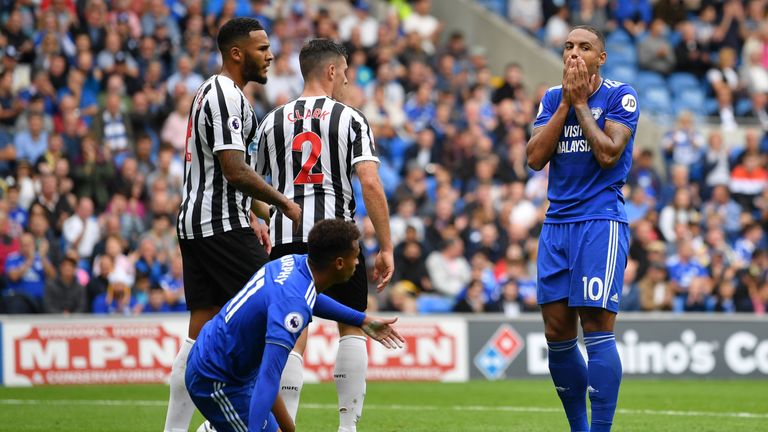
(607, 145)
(245, 179)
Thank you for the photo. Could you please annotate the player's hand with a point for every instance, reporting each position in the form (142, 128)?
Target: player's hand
(262, 233)
(383, 268)
(381, 330)
(567, 72)
(581, 83)
(293, 212)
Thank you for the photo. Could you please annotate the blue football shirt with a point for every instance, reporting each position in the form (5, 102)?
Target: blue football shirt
(273, 307)
(579, 189)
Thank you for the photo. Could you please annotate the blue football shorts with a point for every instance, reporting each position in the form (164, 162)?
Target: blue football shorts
(583, 262)
(225, 406)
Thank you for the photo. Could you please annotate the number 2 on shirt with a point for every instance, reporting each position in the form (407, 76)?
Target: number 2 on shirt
(305, 175)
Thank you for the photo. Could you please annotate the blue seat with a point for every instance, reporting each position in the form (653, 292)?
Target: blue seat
(621, 55)
(680, 81)
(657, 100)
(426, 304)
(622, 73)
(711, 107)
(743, 107)
(618, 37)
(647, 80)
(691, 99)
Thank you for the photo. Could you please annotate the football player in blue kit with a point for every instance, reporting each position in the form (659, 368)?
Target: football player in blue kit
(584, 130)
(233, 371)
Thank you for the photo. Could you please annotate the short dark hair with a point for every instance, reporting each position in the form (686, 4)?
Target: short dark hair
(234, 30)
(316, 52)
(594, 31)
(330, 239)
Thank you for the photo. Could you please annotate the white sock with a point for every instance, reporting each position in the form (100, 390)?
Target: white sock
(180, 406)
(291, 382)
(349, 374)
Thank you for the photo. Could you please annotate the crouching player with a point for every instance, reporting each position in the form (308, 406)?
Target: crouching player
(233, 371)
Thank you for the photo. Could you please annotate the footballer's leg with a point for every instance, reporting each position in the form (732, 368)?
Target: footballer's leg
(351, 366)
(598, 277)
(292, 378)
(566, 364)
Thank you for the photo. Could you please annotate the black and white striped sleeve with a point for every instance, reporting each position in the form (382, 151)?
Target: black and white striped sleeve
(227, 118)
(360, 139)
(262, 145)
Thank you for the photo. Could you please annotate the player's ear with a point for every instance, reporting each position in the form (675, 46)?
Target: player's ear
(235, 53)
(602, 58)
(331, 72)
(339, 263)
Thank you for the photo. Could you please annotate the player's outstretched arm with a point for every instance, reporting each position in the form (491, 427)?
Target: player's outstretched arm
(381, 330)
(376, 205)
(267, 386)
(241, 176)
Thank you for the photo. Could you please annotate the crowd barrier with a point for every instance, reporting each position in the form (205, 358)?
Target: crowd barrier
(39, 350)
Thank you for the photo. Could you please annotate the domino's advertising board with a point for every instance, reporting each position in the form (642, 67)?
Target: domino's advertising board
(673, 345)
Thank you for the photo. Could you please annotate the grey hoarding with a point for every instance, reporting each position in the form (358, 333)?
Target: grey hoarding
(650, 346)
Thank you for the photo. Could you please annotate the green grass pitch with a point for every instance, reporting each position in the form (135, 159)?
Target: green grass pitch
(524, 405)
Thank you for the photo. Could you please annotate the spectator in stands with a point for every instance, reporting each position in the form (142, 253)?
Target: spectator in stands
(726, 84)
(27, 271)
(748, 180)
(81, 230)
(98, 284)
(679, 211)
(634, 16)
(174, 131)
(716, 166)
(638, 205)
(448, 270)
(92, 172)
(8, 244)
(509, 302)
(184, 75)
(30, 145)
(56, 208)
(526, 14)
(556, 29)
(156, 302)
(594, 13)
(655, 292)
(118, 300)
(473, 300)
(654, 51)
(410, 266)
(423, 23)
(724, 209)
(753, 73)
(64, 294)
(684, 272)
(690, 55)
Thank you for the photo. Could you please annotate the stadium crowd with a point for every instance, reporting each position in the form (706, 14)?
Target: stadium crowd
(94, 99)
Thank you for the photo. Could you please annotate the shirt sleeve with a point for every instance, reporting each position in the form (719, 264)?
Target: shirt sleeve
(623, 108)
(328, 308)
(286, 320)
(266, 387)
(227, 118)
(547, 106)
(360, 139)
(262, 144)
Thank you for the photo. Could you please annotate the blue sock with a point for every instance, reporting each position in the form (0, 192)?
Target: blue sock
(569, 373)
(604, 378)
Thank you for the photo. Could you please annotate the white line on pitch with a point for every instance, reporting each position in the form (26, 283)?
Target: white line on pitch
(484, 408)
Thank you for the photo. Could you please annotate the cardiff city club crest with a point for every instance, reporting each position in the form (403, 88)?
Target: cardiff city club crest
(597, 112)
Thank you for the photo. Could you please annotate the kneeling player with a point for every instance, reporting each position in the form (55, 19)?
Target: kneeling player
(234, 368)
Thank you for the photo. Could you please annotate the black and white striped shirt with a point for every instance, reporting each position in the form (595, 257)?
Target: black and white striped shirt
(221, 118)
(309, 147)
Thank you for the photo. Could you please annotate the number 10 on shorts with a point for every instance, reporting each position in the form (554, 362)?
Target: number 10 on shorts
(593, 288)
